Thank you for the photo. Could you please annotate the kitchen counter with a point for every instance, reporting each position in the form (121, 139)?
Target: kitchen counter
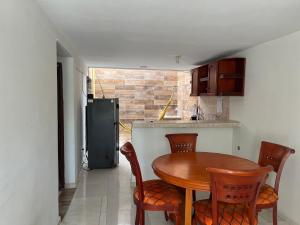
(186, 124)
(149, 141)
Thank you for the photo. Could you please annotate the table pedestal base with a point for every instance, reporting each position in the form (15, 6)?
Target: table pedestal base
(188, 207)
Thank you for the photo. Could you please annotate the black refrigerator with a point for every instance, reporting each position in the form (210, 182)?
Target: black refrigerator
(102, 124)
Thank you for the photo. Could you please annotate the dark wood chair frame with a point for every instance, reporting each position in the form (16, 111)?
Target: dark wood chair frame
(128, 150)
(276, 156)
(236, 187)
(182, 139)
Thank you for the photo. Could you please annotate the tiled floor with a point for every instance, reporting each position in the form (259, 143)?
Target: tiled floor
(103, 197)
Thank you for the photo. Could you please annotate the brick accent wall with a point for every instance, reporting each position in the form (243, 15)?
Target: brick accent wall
(142, 93)
(186, 103)
(209, 106)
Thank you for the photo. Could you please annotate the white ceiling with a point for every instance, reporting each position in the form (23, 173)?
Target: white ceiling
(133, 33)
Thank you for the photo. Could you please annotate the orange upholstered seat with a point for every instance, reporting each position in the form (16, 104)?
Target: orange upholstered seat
(160, 194)
(267, 195)
(276, 156)
(233, 214)
(153, 195)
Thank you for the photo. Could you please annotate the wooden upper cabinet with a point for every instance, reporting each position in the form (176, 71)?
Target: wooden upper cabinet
(203, 79)
(231, 77)
(195, 82)
(222, 78)
(212, 85)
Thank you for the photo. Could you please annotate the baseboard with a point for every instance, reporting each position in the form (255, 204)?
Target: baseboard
(71, 185)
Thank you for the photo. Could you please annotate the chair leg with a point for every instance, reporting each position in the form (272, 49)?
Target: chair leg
(166, 216)
(194, 221)
(142, 217)
(275, 215)
(194, 195)
(177, 218)
(137, 216)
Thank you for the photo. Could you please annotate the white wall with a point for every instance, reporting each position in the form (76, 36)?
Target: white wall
(74, 115)
(83, 111)
(79, 106)
(28, 115)
(270, 110)
(69, 120)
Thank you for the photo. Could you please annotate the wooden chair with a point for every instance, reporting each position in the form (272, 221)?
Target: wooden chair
(276, 156)
(185, 142)
(234, 196)
(152, 195)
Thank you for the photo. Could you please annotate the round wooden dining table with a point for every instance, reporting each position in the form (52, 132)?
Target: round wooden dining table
(188, 170)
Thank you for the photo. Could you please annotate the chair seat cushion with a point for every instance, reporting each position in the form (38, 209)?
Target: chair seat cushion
(266, 196)
(234, 214)
(160, 194)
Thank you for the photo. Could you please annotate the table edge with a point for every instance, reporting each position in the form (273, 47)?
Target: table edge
(188, 184)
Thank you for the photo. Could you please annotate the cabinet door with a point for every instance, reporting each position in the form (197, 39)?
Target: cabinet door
(212, 79)
(231, 76)
(195, 82)
(203, 80)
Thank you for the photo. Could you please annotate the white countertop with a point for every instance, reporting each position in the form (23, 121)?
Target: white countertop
(186, 124)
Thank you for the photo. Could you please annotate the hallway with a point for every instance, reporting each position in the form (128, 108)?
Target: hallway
(103, 197)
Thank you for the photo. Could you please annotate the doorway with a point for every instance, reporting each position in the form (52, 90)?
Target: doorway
(60, 121)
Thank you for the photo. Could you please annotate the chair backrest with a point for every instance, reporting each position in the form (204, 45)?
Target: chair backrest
(128, 150)
(276, 156)
(236, 187)
(185, 142)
